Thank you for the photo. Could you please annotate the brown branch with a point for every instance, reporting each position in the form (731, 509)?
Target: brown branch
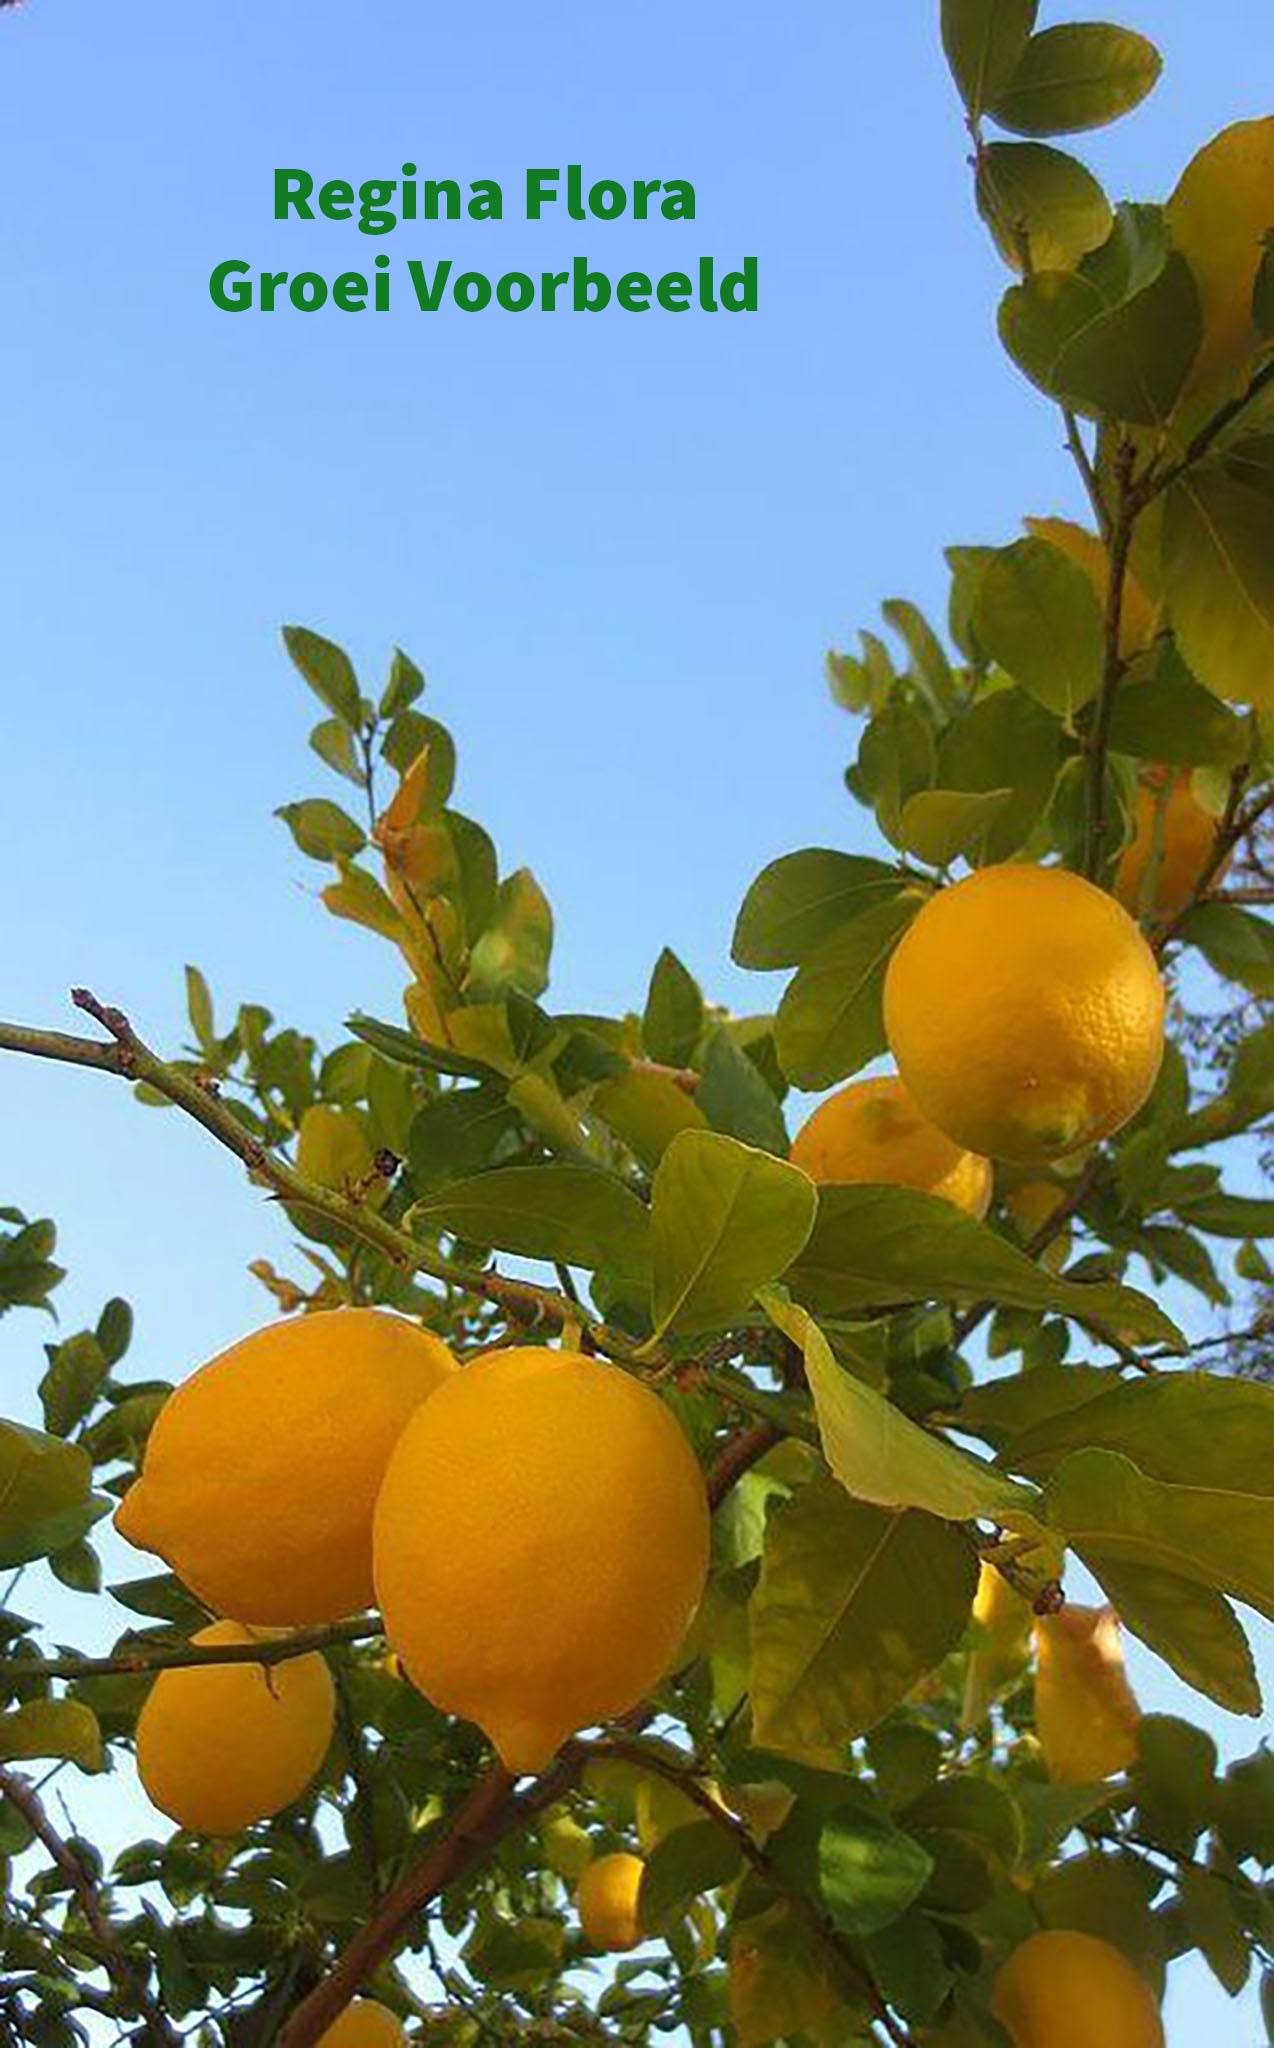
(1154, 483)
(143, 1657)
(1097, 741)
(129, 1984)
(1084, 464)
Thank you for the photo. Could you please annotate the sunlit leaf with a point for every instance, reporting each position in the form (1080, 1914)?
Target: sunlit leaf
(725, 1219)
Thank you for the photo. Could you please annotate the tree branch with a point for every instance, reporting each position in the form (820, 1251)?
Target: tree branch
(143, 1657)
(129, 1984)
(1119, 546)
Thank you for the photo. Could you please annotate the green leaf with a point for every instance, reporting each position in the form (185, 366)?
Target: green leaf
(853, 1607)
(1003, 1410)
(579, 1215)
(895, 759)
(458, 1134)
(1215, 1922)
(1175, 1776)
(869, 1871)
(52, 1728)
(406, 683)
(1192, 1428)
(322, 830)
(328, 671)
(697, 1858)
(403, 1047)
(735, 1096)
(1216, 1538)
(1038, 616)
(199, 1008)
(27, 1273)
(876, 1245)
(647, 1111)
(1218, 577)
(985, 41)
(333, 743)
(674, 1012)
(77, 1367)
(408, 736)
(725, 1220)
(45, 1502)
(1043, 207)
(830, 1022)
(940, 825)
(1003, 742)
(1238, 944)
(1174, 720)
(1077, 76)
(513, 952)
(800, 900)
(880, 1455)
(929, 663)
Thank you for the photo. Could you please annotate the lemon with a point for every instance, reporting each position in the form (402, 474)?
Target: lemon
(1086, 1714)
(261, 1474)
(541, 1544)
(1062, 1989)
(873, 1131)
(1000, 1647)
(1025, 1012)
(607, 1901)
(222, 1745)
(364, 2024)
(1164, 862)
(1032, 1204)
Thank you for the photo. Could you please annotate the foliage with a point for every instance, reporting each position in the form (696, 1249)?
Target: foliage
(832, 1856)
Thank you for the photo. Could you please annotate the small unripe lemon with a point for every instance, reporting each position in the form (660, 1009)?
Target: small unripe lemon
(1067, 1990)
(1025, 1011)
(874, 1131)
(607, 1901)
(364, 2024)
(1174, 837)
(222, 1745)
(541, 1545)
(1086, 1713)
(261, 1474)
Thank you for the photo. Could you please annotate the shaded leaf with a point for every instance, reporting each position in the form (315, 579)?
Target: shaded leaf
(52, 1728)
(803, 898)
(725, 1219)
(1037, 615)
(1042, 204)
(328, 671)
(579, 1215)
(1077, 76)
(830, 1021)
(674, 1012)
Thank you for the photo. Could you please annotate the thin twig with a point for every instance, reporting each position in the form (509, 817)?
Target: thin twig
(143, 1657)
(129, 1984)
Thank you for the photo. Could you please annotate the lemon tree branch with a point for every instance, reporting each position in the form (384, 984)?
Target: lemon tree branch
(143, 1657)
(129, 1985)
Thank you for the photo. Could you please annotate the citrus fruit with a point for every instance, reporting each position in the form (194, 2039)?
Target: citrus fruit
(1032, 1204)
(1061, 1989)
(1164, 862)
(541, 1544)
(261, 1473)
(607, 1901)
(1025, 1012)
(1086, 1714)
(1000, 1646)
(873, 1131)
(222, 1745)
(364, 2024)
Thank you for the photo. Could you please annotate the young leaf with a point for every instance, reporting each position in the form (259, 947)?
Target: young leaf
(880, 1455)
(1077, 76)
(985, 41)
(854, 1605)
(1217, 216)
(514, 950)
(800, 900)
(52, 1728)
(674, 1012)
(322, 829)
(726, 1219)
(1044, 209)
(328, 671)
(45, 1502)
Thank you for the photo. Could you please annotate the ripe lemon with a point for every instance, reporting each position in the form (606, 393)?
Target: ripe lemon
(222, 1745)
(1162, 865)
(1025, 1011)
(1086, 1713)
(541, 1544)
(607, 1901)
(261, 1474)
(873, 1131)
(364, 2024)
(1061, 1989)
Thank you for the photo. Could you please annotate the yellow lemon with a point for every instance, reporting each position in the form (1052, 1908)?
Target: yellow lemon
(873, 1131)
(222, 1745)
(364, 2024)
(607, 1901)
(1164, 862)
(261, 1474)
(1086, 1713)
(541, 1544)
(1061, 1990)
(1000, 1648)
(1025, 1011)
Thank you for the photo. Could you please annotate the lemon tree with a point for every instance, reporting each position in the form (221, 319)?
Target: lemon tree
(620, 1591)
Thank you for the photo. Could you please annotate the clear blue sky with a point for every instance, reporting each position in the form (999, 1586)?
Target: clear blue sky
(619, 545)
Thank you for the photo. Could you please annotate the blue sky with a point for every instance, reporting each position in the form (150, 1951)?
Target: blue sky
(619, 545)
